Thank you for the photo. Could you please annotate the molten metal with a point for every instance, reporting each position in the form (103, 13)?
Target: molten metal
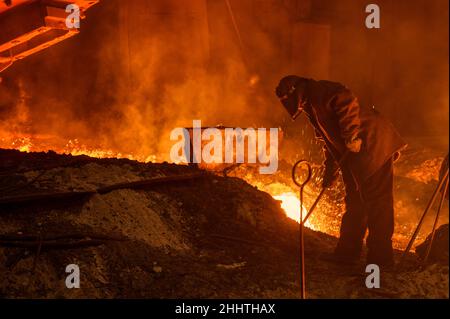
(291, 205)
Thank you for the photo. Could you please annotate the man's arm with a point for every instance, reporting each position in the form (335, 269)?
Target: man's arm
(329, 164)
(346, 107)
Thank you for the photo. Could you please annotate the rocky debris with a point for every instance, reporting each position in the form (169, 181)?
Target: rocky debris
(439, 249)
(429, 282)
(216, 237)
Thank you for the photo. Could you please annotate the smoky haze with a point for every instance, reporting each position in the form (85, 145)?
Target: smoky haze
(140, 68)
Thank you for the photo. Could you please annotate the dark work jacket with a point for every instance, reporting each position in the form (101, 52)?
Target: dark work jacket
(336, 115)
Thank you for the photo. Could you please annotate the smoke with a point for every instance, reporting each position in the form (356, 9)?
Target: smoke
(140, 68)
(401, 68)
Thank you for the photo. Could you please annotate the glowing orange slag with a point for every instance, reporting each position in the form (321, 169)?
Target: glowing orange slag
(73, 147)
(291, 205)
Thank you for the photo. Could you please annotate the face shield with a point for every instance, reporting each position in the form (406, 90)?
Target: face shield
(291, 99)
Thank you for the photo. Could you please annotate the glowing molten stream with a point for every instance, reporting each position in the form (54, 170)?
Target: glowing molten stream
(291, 205)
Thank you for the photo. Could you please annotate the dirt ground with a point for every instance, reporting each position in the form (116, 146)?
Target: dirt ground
(206, 237)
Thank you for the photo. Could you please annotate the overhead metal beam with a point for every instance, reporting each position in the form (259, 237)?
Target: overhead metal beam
(29, 26)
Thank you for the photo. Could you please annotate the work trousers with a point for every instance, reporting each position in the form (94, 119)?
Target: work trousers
(370, 206)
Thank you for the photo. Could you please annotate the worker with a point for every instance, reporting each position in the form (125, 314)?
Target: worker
(363, 144)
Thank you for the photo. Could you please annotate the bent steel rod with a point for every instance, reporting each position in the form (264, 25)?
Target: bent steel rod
(301, 185)
(430, 203)
(319, 197)
(436, 219)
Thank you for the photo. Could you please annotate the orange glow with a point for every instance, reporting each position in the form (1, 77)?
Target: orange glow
(326, 218)
(291, 205)
(74, 147)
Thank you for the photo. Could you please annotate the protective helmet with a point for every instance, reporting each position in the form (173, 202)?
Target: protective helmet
(288, 93)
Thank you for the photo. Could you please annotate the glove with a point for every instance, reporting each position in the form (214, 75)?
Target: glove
(354, 144)
(330, 176)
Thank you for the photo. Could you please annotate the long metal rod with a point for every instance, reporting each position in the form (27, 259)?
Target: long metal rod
(313, 206)
(430, 203)
(301, 229)
(433, 232)
(302, 249)
(60, 196)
